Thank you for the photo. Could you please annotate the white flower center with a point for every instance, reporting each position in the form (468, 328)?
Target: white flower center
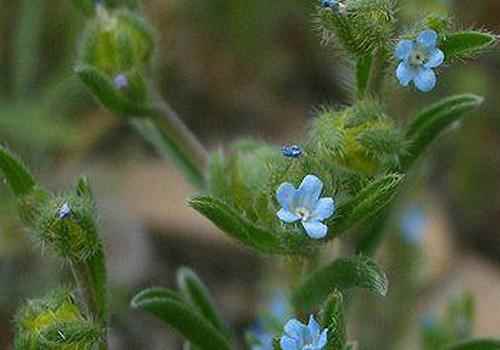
(418, 57)
(304, 213)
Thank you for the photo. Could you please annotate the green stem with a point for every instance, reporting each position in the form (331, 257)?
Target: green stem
(90, 277)
(166, 131)
(376, 78)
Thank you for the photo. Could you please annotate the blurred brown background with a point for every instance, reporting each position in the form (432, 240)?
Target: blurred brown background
(230, 68)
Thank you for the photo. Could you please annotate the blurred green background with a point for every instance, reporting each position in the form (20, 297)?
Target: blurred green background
(236, 68)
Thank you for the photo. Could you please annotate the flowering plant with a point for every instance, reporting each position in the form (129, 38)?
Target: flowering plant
(292, 201)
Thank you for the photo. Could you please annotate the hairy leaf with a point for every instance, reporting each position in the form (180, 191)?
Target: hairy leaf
(16, 173)
(195, 291)
(466, 44)
(332, 317)
(430, 122)
(171, 309)
(245, 231)
(341, 274)
(105, 91)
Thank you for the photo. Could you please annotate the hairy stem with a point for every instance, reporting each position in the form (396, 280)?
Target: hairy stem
(90, 277)
(181, 144)
(378, 65)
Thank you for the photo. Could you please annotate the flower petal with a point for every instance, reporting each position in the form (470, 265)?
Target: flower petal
(435, 59)
(405, 73)
(425, 79)
(287, 216)
(294, 328)
(315, 229)
(309, 192)
(287, 343)
(403, 49)
(313, 327)
(427, 39)
(325, 208)
(322, 339)
(285, 195)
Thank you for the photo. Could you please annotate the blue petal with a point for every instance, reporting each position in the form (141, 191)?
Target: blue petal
(403, 50)
(405, 73)
(295, 328)
(322, 339)
(427, 39)
(287, 216)
(313, 327)
(425, 80)
(325, 208)
(315, 229)
(309, 192)
(287, 343)
(286, 195)
(435, 59)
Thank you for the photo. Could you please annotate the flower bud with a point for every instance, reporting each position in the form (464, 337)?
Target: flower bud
(116, 42)
(54, 322)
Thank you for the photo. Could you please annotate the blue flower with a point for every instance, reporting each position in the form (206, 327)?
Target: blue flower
(305, 205)
(298, 336)
(64, 211)
(418, 58)
(261, 339)
(412, 225)
(291, 151)
(328, 3)
(120, 81)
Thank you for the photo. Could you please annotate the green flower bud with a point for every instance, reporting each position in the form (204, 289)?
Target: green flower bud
(67, 223)
(54, 322)
(116, 42)
(361, 138)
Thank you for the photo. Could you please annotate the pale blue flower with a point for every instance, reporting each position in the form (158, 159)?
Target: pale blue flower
(120, 81)
(298, 336)
(64, 211)
(418, 58)
(304, 204)
(412, 225)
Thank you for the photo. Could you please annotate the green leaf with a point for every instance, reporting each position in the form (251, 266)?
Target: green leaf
(16, 173)
(368, 203)
(476, 344)
(332, 317)
(242, 229)
(341, 274)
(430, 122)
(104, 90)
(195, 291)
(466, 44)
(171, 309)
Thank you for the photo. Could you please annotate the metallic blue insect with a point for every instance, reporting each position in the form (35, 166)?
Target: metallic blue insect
(291, 151)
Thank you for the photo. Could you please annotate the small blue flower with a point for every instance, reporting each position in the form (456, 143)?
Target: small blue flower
(328, 3)
(120, 81)
(305, 204)
(298, 336)
(418, 58)
(64, 212)
(412, 225)
(291, 151)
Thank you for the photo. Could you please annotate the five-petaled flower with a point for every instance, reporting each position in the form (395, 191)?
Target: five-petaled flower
(418, 58)
(298, 336)
(305, 204)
